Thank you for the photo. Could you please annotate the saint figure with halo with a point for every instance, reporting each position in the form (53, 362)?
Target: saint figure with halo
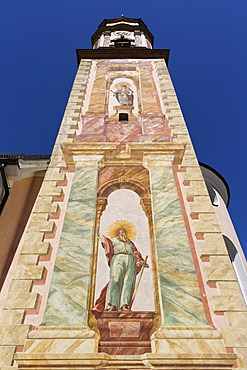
(125, 262)
(124, 95)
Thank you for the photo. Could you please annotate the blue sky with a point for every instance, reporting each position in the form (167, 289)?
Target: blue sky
(207, 63)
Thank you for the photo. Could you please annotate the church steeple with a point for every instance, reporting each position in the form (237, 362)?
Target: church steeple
(122, 32)
(124, 182)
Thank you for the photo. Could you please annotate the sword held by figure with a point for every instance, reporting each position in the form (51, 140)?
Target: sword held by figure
(125, 261)
(144, 265)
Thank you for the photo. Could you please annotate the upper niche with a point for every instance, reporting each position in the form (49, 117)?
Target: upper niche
(123, 99)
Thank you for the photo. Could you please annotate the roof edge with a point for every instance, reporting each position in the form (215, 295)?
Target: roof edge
(223, 180)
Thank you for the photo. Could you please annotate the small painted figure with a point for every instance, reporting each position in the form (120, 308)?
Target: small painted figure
(125, 262)
(124, 96)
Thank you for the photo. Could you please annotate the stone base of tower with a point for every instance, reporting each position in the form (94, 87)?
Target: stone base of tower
(55, 341)
(103, 361)
(187, 340)
(77, 348)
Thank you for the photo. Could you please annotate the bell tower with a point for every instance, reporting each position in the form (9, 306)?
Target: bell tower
(82, 295)
(122, 32)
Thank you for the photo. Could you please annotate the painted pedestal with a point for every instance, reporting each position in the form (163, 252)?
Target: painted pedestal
(125, 333)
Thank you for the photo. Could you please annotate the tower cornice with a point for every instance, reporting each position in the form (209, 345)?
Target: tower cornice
(131, 154)
(122, 53)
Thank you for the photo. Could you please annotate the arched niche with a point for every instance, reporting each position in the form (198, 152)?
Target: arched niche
(115, 181)
(114, 106)
(125, 204)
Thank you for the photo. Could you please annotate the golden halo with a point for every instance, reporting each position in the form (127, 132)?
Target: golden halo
(122, 224)
(120, 84)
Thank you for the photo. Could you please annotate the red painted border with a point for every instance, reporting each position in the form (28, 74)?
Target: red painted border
(43, 279)
(70, 168)
(35, 311)
(55, 216)
(46, 257)
(64, 182)
(51, 235)
(58, 198)
(193, 250)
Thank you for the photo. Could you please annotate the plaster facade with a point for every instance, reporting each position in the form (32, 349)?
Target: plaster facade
(196, 316)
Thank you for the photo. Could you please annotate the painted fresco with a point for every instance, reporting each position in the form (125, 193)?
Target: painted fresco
(181, 304)
(146, 120)
(70, 286)
(121, 215)
(122, 271)
(124, 205)
(123, 99)
(124, 251)
(178, 286)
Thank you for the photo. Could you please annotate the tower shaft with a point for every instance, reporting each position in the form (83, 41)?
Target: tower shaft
(123, 133)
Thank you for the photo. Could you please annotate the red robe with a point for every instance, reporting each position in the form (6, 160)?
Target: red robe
(109, 252)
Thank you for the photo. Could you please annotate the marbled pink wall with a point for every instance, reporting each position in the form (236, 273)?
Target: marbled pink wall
(147, 124)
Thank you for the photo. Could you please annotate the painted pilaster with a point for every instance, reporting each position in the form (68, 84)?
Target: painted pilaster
(219, 280)
(65, 325)
(67, 304)
(183, 327)
(181, 304)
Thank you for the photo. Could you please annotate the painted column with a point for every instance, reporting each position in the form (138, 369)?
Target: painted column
(183, 326)
(68, 299)
(179, 295)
